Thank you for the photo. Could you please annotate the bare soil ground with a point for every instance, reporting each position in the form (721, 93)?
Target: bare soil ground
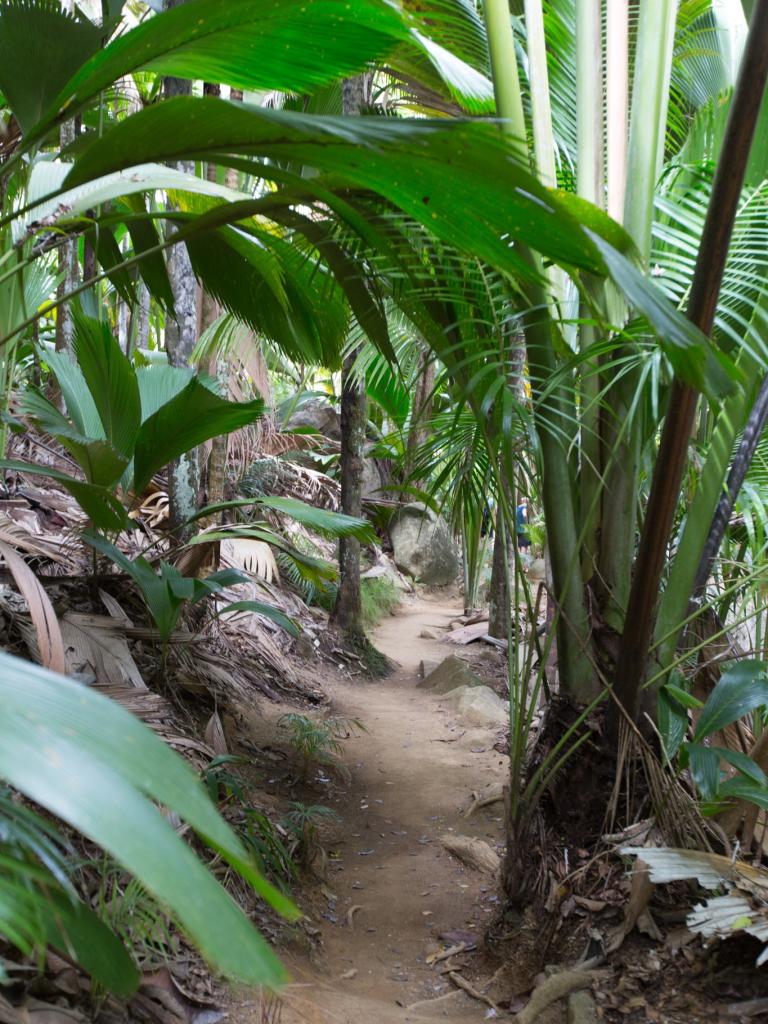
(393, 898)
(393, 895)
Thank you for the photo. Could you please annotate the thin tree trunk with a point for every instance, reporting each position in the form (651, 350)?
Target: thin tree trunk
(123, 324)
(142, 326)
(216, 468)
(68, 267)
(589, 106)
(499, 601)
(555, 417)
(421, 408)
(674, 602)
(622, 427)
(678, 424)
(750, 439)
(541, 107)
(348, 611)
(617, 104)
(180, 340)
(504, 551)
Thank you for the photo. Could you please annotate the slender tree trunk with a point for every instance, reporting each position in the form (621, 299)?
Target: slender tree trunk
(617, 105)
(589, 105)
(68, 265)
(674, 602)
(679, 420)
(622, 425)
(499, 601)
(142, 326)
(348, 611)
(541, 107)
(555, 417)
(504, 551)
(180, 340)
(69, 268)
(421, 408)
(216, 467)
(123, 325)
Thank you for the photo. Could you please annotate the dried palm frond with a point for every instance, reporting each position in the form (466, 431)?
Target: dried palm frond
(46, 642)
(269, 475)
(153, 511)
(254, 556)
(676, 813)
(149, 707)
(23, 532)
(214, 735)
(98, 643)
(744, 908)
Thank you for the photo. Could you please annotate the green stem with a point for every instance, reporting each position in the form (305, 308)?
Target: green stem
(680, 415)
(554, 418)
(674, 601)
(541, 107)
(589, 108)
(650, 101)
(617, 105)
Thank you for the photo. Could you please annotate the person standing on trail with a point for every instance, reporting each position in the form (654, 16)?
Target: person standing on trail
(523, 540)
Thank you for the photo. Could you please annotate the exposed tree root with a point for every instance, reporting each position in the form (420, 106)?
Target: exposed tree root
(372, 661)
(557, 986)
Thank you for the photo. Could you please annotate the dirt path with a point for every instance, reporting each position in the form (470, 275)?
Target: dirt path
(412, 773)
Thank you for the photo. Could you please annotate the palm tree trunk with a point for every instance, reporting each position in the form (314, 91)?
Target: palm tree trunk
(541, 107)
(554, 416)
(674, 602)
(421, 408)
(180, 340)
(348, 611)
(617, 105)
(499, 601)
(141, 339)
(589, 107)
(750, 438)
(622, 427)
(673, 448)
(68, 268)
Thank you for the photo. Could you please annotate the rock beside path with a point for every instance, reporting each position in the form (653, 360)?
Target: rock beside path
(479, 706)
(426, 667)
(423, 546)
(450, 674)
(316, 415)
(473, 852)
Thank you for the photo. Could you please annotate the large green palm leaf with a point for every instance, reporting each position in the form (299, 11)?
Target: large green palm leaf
(251, 44)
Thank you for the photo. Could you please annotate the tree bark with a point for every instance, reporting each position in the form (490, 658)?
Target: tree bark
(68, 267)
(215, 471)
(180, 340)
(421, 409)
(499, 597)
(503, 564)
(679, 420)
(555, 416)
(348, 611)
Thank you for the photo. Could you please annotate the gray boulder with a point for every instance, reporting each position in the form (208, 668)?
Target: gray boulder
(479, 706)
(316, 415)
(423, 546)
(449, 675)
(386, 567)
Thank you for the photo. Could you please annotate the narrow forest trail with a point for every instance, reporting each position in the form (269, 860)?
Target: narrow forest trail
(412, 773)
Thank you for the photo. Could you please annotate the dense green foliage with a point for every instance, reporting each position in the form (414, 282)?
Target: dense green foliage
(514, 339)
